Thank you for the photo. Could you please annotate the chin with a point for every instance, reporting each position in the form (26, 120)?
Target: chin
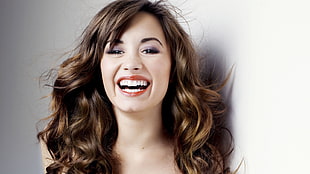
(129, 108)
(135, 107)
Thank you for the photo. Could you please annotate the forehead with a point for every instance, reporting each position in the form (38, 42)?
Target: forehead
(143, 24)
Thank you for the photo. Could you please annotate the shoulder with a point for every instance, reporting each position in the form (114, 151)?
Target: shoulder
(46, 157)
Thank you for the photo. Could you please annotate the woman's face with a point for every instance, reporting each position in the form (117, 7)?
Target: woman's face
(136, 70)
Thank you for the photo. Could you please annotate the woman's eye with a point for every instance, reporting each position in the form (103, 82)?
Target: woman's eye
(150, 51)
(115, 52)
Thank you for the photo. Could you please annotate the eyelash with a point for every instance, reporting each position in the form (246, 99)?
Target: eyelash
(115, 52)
(150, 51)
(145, 51)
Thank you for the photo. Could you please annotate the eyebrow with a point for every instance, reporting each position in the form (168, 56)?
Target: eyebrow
(114, 42)
(150, 39)
(118, 41)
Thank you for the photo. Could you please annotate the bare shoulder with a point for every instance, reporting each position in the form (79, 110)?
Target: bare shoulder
(46, 157)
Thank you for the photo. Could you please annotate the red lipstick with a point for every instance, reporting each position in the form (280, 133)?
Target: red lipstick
(133, 86)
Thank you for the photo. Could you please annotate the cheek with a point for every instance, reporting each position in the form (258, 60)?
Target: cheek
(163, 68)
(106, 72)
(160, 70)
(103, 70)
(108, 69)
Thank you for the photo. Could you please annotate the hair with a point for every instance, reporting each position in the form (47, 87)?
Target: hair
(82, 128)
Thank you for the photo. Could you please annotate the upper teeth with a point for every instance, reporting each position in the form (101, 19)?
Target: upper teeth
(133, 83)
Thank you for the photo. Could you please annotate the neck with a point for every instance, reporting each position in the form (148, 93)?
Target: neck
(139, 130)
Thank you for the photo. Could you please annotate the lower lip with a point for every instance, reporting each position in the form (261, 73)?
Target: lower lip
(133, 94)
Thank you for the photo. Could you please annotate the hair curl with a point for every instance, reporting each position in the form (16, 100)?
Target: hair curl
(82, 128)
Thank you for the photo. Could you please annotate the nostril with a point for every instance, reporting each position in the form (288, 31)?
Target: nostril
(132, 68)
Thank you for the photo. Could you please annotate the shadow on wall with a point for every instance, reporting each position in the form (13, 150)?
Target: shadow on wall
(213, 70)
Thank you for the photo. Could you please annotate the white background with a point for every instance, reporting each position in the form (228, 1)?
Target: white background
(266, 40)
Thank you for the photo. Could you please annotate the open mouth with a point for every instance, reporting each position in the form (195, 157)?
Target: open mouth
(133, 86)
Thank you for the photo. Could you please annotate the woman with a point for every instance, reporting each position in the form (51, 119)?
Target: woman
(130, 99)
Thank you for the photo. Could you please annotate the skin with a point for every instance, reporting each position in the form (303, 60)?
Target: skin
(141, 143)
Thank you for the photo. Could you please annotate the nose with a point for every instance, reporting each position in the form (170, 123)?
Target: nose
(132, 63)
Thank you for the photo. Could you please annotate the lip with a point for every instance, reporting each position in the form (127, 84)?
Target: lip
(133, 77)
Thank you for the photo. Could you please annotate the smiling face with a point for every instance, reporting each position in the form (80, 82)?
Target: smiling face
(136, 67)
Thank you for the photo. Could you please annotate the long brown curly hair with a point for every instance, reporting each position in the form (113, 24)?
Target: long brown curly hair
(82, 129)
